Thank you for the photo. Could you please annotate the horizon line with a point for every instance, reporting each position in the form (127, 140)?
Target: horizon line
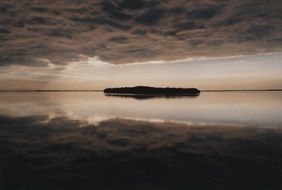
(99, 90)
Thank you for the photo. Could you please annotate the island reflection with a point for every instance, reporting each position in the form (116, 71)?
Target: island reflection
(146, 97)
(39, 152)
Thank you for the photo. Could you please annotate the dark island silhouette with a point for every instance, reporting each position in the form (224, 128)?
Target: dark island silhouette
(153, 91)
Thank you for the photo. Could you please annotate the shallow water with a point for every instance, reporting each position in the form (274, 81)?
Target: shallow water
(260, 109)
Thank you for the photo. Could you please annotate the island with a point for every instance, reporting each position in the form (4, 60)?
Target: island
(153, 91)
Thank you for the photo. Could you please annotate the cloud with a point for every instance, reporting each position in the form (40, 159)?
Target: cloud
(125, 31)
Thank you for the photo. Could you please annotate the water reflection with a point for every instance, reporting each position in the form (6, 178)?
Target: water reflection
(219, 141)
(145, 97)
(38, 153)
(260, 109)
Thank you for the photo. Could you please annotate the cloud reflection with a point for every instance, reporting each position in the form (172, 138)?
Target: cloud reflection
(125, 154)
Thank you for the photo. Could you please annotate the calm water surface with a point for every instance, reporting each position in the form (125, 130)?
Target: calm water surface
(260, 109)
(79, 140)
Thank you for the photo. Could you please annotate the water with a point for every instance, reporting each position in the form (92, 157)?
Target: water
(86, 140)
(259, 109)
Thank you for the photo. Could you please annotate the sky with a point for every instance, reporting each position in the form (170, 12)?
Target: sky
(94, 44)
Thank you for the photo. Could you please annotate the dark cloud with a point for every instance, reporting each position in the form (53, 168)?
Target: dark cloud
(123, 31)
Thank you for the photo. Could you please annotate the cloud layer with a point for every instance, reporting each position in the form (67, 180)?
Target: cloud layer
(123, 31)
